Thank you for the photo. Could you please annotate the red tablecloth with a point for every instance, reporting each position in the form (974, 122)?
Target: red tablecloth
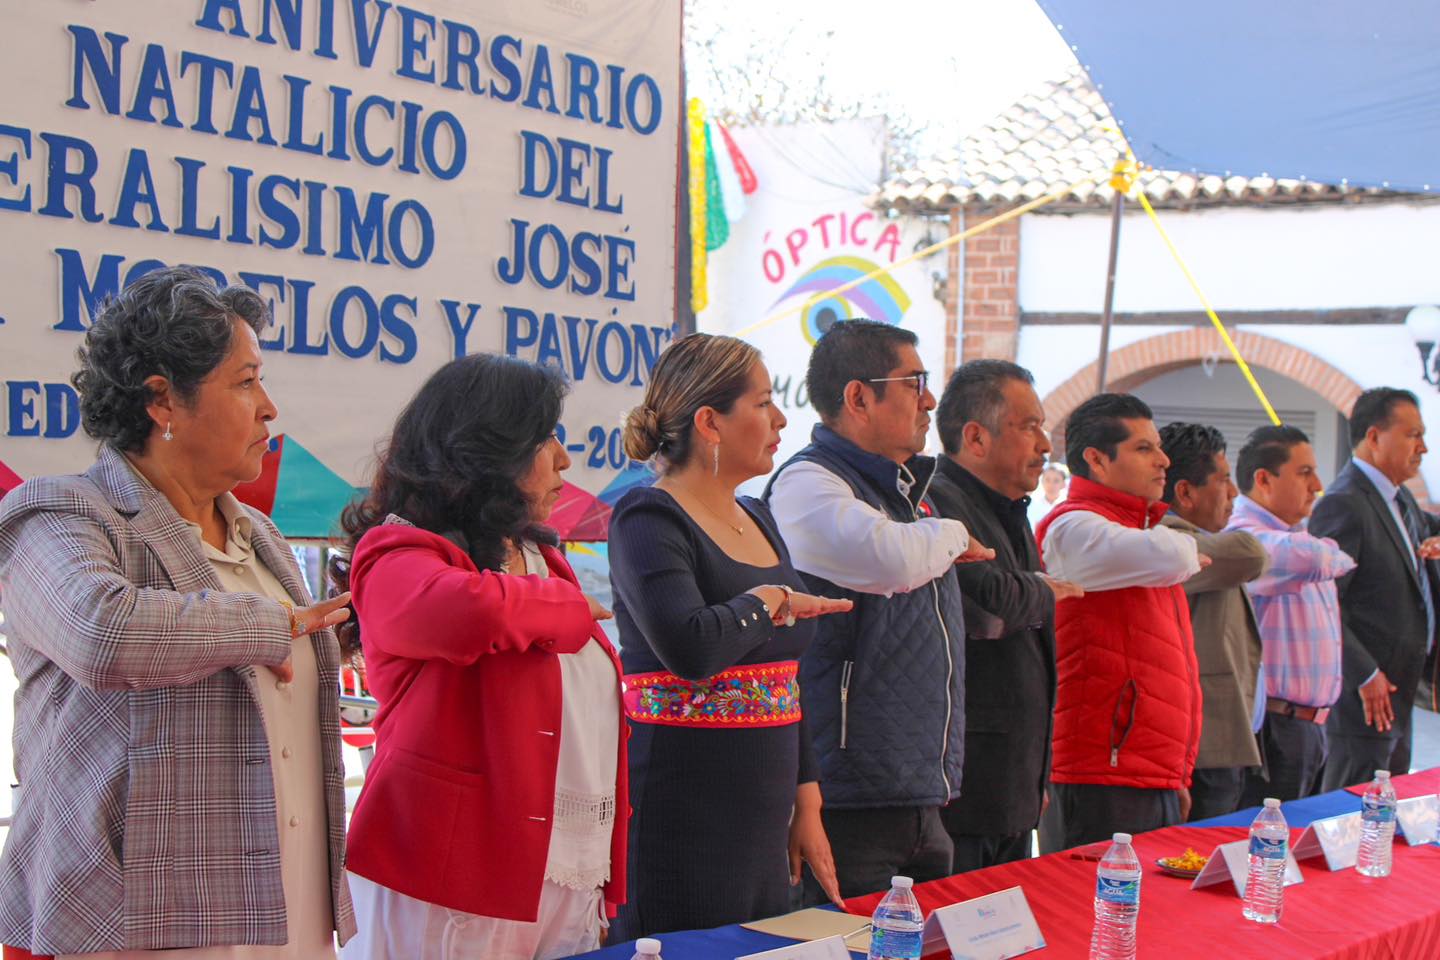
(1409, 786)
(1331, 915)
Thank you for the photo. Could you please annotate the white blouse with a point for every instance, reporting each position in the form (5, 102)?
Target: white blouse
(585, 777)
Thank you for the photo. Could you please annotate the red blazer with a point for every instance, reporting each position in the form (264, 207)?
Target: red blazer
(1127, 703)
(458, 801)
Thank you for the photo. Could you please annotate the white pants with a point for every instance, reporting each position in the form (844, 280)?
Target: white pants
(392, 926)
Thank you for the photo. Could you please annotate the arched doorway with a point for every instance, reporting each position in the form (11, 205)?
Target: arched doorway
(1153, 357)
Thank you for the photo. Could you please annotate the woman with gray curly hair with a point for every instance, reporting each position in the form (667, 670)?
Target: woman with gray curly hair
(177, 729)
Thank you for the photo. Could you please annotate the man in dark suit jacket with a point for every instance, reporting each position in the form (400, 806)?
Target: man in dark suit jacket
(992, 426)
(1387, 603)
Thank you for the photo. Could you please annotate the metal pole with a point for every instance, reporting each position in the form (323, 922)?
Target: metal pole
(1115, 210)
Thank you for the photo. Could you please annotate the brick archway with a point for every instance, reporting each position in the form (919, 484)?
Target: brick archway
(1154, 356)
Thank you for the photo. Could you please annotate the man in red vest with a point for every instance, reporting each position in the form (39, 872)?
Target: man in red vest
(1127, 707)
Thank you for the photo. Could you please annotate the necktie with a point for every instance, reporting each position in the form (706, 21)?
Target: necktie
(1410, 512)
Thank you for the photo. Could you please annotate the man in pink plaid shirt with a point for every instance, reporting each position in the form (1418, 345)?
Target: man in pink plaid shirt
(1297, 608)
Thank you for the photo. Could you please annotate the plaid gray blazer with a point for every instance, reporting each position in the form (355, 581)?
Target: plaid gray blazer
(145, 813)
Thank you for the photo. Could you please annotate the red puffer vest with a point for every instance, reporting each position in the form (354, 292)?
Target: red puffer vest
(1127, 707)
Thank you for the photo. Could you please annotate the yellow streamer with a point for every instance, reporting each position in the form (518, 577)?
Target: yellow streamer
(917, 255)
(699, 291)
(1209, 310)
(1126, 176)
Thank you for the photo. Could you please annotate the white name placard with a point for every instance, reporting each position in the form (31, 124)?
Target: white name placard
(992, 927)
(1419, 819)
(1337, 839)
(831, 948)
(1231, 861)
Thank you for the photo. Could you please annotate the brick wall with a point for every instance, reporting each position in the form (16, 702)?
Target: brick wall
(953, 287)
(990, 304)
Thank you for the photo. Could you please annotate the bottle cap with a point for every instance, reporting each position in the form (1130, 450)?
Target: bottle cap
(1272, 802)
(648, 945)
(1382, 774)
(1121, 838)
(904, 883)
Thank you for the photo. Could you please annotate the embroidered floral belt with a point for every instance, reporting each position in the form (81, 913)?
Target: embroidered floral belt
(753, 695)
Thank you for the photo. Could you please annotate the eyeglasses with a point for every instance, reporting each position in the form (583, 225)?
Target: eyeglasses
(921, 381)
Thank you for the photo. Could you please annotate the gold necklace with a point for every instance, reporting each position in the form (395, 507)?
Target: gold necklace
(739, 531)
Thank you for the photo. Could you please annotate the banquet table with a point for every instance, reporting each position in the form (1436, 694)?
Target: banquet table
(1336, 916)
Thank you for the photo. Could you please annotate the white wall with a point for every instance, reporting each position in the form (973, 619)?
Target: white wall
(1297, 258)
(1244, 259)
(1055, 353)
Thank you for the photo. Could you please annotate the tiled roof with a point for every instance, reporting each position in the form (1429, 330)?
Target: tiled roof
(1064, 133)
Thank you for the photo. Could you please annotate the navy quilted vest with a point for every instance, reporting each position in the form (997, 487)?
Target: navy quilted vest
(883, 686)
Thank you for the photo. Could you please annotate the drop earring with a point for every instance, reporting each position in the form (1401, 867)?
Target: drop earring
(167, 435)
(717, 459)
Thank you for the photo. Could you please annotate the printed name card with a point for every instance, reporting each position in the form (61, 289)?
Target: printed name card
(992, 927)
(1419, 819)
(831, 948)
(1337, 839)
(1231, 861)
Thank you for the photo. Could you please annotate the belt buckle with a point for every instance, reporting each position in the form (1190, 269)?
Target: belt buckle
(1321, 713)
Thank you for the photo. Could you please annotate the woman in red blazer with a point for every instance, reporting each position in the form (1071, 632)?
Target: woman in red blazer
(492, 822)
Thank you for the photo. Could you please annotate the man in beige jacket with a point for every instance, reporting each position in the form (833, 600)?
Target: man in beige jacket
(1201, 496)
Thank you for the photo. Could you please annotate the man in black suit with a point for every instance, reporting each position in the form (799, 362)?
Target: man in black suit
(1387, 603)
(992, 426)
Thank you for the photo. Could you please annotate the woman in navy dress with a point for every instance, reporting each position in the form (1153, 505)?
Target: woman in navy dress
(712, 619)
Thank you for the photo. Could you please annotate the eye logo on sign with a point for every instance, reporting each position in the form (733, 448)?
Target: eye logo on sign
(879, 298)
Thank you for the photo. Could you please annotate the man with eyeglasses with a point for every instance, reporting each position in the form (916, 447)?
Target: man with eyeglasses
(883, 686)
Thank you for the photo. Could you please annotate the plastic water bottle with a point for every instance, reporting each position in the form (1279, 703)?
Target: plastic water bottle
(647, 948)
(1377, 827)
(1117, 902)
(1265, 881)
(898, 926)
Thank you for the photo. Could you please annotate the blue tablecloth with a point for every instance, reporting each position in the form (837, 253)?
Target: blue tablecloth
(726, 943)
(1298, 813)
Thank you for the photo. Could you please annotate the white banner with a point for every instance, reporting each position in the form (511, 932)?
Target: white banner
(806, 230)
(404, 182)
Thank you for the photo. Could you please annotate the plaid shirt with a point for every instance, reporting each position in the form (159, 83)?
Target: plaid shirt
(145, 814)
(1296, 606)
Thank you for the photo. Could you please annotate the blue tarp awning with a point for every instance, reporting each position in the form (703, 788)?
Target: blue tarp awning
(1320, 90)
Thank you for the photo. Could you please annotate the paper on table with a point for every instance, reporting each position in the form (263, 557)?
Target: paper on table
(831, 948)
(1231, 861)
(1337, 839)
(817, 923)
(993, 927)
(1419, 819)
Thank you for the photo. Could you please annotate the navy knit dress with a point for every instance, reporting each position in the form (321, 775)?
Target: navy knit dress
(710, 829)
